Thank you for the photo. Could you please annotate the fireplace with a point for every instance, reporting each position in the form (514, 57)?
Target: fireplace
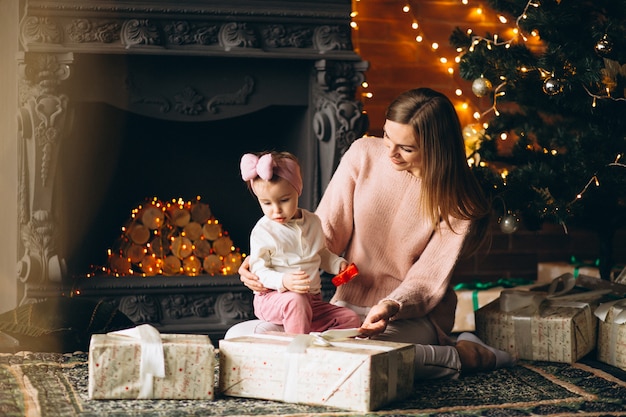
(120, 102)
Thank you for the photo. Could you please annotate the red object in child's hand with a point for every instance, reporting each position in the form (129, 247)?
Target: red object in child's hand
(346, 275)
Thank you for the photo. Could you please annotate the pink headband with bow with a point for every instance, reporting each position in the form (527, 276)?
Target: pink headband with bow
(265, 167)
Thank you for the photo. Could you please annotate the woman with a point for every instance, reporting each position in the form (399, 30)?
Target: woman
(404, 208)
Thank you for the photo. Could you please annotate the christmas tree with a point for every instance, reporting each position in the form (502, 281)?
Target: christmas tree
(554, 147)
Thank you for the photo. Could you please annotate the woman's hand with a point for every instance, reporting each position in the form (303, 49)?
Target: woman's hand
(378, 318)
(249, 279)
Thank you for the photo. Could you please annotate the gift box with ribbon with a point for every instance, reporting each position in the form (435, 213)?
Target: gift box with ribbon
(321, 369)
(141, 363)
(547, 271)
(542, 325)
(612, 333)
(473, 295)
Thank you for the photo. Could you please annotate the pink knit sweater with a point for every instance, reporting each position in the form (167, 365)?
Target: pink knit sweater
(370, 213)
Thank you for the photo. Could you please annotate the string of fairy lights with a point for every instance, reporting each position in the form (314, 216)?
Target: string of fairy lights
(513, 34)
(482, 87)
(418, 32)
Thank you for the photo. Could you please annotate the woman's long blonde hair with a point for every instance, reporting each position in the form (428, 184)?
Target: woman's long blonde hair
(450, 188)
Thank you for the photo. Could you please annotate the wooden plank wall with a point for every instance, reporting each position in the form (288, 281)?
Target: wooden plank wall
(385, 38)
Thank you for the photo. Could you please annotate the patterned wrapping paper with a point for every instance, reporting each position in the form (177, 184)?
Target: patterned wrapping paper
(612, 333)
(555, 330)
(358, 375)
(114, 367)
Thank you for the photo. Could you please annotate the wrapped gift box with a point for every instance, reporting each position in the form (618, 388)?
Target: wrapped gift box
(359, 375)
(115, 365)
(470, 300)
(612, 333)
(534, 327)
(547, 271)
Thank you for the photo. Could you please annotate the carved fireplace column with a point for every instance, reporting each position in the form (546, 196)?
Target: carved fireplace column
(43, 122)
(339, 119)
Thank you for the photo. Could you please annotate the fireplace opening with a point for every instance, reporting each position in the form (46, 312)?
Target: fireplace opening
(114, 160)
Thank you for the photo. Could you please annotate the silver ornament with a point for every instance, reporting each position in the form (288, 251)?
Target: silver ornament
(481, 87)
(604, 47)
(509, 223)
(552, 86)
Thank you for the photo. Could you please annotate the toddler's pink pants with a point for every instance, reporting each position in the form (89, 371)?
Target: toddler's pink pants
(303, 313)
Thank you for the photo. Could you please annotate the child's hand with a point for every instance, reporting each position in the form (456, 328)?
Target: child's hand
(346, 274)
(297, 282)
(343, 266)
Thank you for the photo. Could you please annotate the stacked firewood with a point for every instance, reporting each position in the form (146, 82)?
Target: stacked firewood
(174, 238)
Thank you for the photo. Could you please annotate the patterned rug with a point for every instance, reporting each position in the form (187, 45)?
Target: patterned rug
(52, 384)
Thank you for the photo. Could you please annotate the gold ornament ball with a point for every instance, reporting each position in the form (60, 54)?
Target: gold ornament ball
(481, 87)
(604, 47)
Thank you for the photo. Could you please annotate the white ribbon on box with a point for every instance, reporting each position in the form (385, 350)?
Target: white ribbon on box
(619, 317)
(152, 361)
(333, 337)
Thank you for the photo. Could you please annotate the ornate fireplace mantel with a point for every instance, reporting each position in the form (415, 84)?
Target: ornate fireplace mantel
(173, 60)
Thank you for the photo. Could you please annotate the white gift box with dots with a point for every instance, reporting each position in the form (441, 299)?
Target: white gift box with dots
(115, 366)
(359, 375)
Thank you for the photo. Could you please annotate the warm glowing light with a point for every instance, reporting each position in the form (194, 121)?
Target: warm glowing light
(443, 60)
(415, 25)
(406, 8)
(502, 19)
(504, 136)
(354, 25)
(476, 115)
(458, 92)
(450, 70)
(419, 38)
(434, 45)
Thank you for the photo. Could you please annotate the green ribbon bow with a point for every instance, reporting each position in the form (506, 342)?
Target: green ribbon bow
(480, 286)
(578, 264)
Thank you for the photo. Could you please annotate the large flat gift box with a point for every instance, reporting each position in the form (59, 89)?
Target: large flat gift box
(612, 333)
(471, 299)
(530, 325)
(468, 301)
(547, 271)
(359, 375)
(130, 365)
